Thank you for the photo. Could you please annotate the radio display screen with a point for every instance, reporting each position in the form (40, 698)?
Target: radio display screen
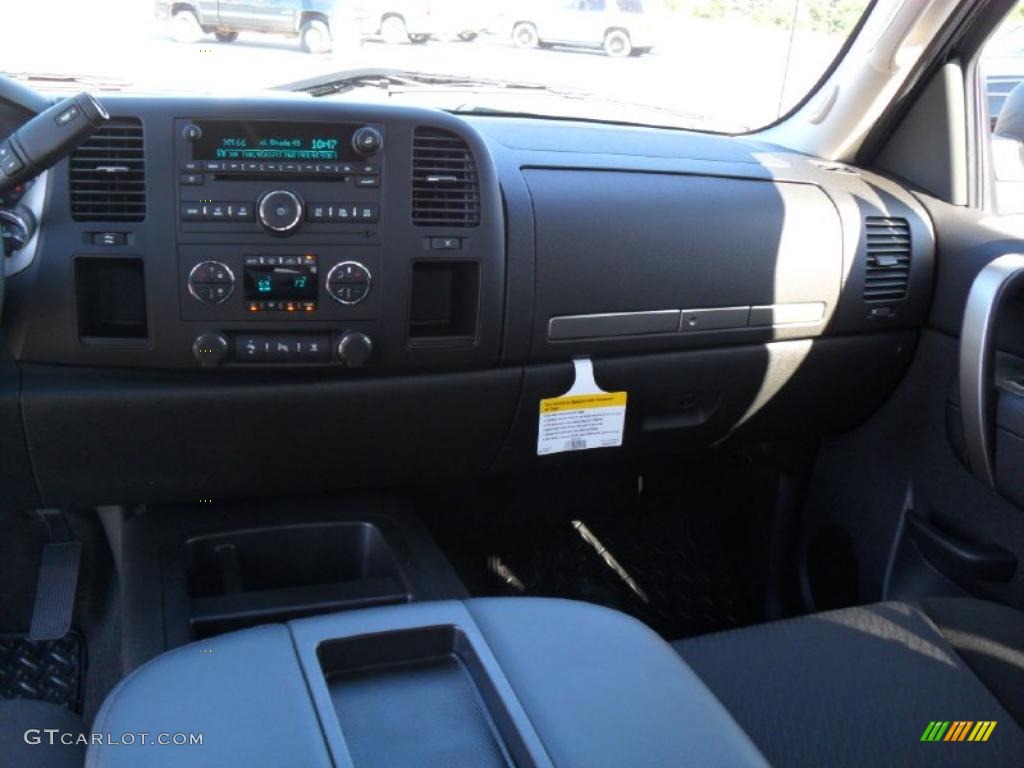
(282, 282)
(264, 141)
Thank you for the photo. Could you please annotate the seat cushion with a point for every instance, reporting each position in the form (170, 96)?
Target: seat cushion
(858, 687)
(20, 715)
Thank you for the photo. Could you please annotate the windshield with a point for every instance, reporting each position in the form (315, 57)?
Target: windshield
(724, 65)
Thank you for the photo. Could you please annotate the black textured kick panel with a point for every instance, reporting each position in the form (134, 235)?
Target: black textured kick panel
(48, 670)
(688, 556)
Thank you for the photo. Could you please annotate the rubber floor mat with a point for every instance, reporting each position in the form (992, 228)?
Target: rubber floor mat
(49, 670)
(683, 561)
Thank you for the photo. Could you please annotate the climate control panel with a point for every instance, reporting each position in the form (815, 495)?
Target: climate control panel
(271, 283)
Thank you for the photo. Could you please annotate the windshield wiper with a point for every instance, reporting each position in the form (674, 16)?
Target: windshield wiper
(50, 81)
(399, 79)
(402, 81)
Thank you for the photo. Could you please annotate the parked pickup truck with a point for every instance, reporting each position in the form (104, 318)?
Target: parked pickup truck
(308, 20)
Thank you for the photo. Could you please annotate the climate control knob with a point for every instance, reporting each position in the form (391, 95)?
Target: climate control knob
(354, 348)
(280, 211)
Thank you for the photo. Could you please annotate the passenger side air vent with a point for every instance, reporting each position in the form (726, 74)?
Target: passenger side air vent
(887, 272)
(108, 176)
(445, 185)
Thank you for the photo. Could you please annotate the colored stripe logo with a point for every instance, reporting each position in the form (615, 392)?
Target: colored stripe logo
(958, 730)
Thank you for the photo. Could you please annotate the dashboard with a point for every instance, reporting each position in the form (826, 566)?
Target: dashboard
(389, 292)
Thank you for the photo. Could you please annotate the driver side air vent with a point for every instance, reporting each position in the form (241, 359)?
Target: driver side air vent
(108, 176)
(445, 185)
(887, 272)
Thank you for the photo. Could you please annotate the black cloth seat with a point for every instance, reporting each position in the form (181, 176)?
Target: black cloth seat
(859, 686)
(20, 715)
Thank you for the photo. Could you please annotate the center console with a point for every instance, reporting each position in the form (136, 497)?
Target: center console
(486, 682)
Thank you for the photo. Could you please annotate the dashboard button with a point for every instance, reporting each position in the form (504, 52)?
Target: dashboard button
(446, 243)
(10, 163)
(240, 211)
(349, 293)
(191, 166)
(251, 349)
(109, 238)
(317, 212)
(349, 272)
(313, 348)
(213, 165)
(368, 181)
(191, 212)
(282, 349)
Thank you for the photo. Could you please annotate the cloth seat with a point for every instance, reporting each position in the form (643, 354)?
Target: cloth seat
(859, 686)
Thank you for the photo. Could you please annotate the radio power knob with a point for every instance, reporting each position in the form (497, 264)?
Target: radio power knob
(355, 348)
(280, 211)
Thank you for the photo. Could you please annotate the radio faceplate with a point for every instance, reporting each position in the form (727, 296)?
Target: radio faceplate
(279, 178)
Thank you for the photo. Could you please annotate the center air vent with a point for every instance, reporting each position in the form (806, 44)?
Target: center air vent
(887, 273)
(108, 176)
(445, 185)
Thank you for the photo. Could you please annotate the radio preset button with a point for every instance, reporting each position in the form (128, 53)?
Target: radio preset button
(191, 179)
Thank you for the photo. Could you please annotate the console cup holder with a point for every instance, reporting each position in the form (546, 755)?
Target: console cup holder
(244, 578)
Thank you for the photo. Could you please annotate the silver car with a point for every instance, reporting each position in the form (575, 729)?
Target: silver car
(620, 27)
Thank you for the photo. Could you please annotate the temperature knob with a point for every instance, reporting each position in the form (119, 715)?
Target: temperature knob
(280, 211)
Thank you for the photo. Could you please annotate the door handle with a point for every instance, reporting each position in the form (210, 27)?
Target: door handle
(958, 559)
(977, 352)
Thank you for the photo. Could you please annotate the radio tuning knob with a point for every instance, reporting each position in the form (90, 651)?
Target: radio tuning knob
(355, 348)
(367, 141)
(280, 211)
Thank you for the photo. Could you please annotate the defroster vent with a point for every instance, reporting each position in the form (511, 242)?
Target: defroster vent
(445, 184)
(887, 271)
(108, 175)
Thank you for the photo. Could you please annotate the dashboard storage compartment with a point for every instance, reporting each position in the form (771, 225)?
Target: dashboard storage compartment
(244, 578)
(111, 298)
(411, 698)
(444, 303)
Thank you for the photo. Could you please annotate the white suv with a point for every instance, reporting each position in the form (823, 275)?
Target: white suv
(620, 27)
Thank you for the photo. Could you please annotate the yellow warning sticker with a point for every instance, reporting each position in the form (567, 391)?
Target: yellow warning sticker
(577, 402)
(585, 417)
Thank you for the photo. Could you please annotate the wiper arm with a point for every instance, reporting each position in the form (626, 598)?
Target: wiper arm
(54, 81)
(381, 77)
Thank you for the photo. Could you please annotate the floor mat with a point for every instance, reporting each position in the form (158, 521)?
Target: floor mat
(686, 556)
(49, 670)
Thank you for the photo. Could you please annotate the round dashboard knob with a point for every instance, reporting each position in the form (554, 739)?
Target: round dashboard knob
(367, 141)
(192, 132)
(211, 348)
(355, 348)
(280, 211)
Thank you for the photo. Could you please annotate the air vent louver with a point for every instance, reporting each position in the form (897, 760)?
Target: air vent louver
(887, 272)
(445, 186)
(108, 176)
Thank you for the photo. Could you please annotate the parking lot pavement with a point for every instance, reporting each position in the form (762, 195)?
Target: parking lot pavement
(700, 70)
